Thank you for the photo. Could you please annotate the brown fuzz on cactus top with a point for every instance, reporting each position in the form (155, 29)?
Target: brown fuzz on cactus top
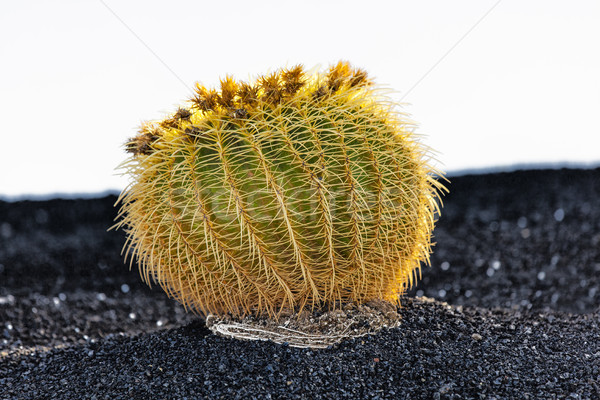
(292, 192)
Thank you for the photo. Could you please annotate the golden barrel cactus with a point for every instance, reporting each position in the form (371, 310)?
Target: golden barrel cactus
(298, 190)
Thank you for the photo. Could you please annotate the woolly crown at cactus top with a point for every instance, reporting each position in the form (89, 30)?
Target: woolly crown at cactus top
(298, 190)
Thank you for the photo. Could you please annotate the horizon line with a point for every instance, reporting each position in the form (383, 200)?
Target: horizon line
(498, 169)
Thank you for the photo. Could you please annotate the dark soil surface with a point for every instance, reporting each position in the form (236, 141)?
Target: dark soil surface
(509, 309)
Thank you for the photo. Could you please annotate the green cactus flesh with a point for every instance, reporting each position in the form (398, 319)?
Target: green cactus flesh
(295, 191)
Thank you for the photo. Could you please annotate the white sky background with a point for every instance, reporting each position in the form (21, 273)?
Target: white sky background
(522, 87)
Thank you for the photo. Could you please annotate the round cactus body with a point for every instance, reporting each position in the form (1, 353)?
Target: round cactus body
(294, 191)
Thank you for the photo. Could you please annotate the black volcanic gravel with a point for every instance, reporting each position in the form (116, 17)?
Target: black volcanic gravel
(516, 260)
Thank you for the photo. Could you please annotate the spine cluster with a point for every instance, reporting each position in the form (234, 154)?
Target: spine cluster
(236, 100)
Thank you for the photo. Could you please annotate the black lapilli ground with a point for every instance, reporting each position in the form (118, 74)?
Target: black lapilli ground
(511, 310)
(439, 352)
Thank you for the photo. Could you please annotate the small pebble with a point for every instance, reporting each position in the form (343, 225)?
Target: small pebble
(541, 275)
(559, 215)
(8, 299)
